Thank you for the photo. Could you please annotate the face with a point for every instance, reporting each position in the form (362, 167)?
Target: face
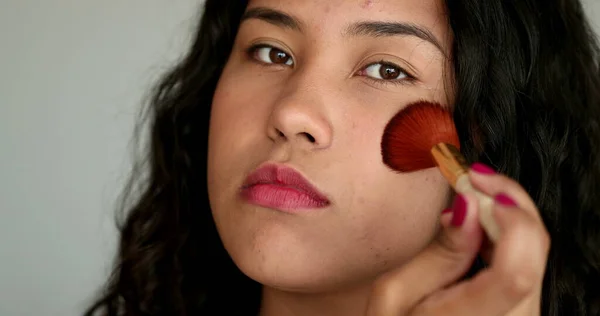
(309, 87)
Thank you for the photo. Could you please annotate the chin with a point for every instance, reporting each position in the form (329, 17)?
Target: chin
(299, 276)
(309, 273)
(275, 255)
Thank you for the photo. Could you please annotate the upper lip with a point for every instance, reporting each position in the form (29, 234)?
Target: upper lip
(284, 176)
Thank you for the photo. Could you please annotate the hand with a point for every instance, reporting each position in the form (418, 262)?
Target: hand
(510, 286)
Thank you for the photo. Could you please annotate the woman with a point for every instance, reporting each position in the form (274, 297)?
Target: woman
(274, 94)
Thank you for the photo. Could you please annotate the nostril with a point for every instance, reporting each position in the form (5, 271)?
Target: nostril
(281, 134)
(309, 137)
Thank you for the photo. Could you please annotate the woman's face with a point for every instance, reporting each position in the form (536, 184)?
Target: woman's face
(310, 85)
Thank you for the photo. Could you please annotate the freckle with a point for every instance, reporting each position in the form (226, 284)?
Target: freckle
(367, 4)
(360, 201)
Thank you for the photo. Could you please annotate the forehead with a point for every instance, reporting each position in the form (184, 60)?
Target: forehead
(333, 16)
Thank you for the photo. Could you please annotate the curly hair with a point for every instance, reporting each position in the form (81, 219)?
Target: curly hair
(527, 81)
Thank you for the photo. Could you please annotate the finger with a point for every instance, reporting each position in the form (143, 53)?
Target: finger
(484, 179)
(522, 251)
(514, 278)
(518, 265)
(444, 261)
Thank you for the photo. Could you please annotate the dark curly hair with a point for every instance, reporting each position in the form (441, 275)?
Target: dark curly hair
(527, 78)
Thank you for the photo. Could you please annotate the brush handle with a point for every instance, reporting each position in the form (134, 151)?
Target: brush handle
(463, 185)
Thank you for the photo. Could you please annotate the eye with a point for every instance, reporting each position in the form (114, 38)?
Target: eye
(385, 71)
(271, 55)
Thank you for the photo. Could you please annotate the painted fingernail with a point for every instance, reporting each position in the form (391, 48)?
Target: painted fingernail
(483, 169)
(459, 207)
(446, 211)
(505, 200)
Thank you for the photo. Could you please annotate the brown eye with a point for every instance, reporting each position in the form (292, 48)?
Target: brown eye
(278, 57)
(272, 55)
(385, 71)
(388, 72)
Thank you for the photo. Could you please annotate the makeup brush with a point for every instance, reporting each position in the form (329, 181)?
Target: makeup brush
(423, 135)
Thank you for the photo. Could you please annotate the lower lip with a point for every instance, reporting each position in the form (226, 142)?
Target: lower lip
(283, 198)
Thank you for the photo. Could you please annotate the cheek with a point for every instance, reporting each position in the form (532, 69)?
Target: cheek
(400, 216)
(231, 118)
(410, 202)
(239, 115)
(241, 108)
(232, 132)
(390, 216)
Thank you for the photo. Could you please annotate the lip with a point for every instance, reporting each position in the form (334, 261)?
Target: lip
(282, 188)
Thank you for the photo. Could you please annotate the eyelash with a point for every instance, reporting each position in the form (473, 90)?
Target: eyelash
(252, 50)
(409, 77)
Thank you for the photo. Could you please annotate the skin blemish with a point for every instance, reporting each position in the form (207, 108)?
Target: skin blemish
(367, 4)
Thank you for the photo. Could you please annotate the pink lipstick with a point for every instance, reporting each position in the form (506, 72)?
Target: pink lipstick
(282, 188)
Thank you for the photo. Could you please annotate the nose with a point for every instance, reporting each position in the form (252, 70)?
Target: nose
(302, 122)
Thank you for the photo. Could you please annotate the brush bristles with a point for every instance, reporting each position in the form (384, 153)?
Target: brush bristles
(410, 135)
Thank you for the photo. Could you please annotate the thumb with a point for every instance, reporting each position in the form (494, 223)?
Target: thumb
(444, 261)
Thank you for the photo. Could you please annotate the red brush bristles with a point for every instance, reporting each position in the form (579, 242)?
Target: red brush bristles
(410, 135)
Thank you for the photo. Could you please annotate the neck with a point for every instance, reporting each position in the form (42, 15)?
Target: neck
(347, 302)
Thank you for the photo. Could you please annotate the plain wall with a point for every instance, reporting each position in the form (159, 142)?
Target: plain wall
(72, 77)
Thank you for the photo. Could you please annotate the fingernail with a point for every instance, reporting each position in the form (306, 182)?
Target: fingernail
(505, 200)
(446, 211)
(459, 207)
(483, 169)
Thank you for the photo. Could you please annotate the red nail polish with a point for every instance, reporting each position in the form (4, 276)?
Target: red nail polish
(505, 200)
(446, 211)
(459, 208)
(483, 169)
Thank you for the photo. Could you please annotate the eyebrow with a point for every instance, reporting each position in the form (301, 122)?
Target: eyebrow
(274, 17)
(386, 29)
(365, 28)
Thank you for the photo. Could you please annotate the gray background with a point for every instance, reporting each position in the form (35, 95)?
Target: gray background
(72, 76)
